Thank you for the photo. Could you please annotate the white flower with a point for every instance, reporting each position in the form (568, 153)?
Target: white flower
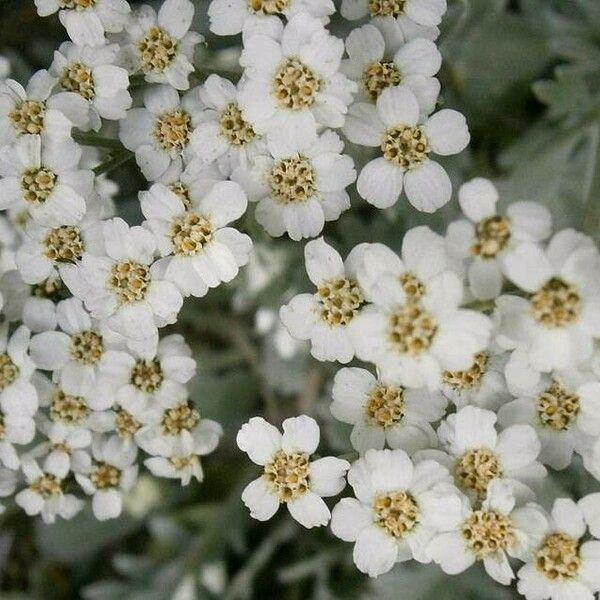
(481, 455)
(293, 85)
(385, 413)
(159, 134)
(393, 126)
(328, 316)
(562, 565)
(44, 495)
(16, 429)
(413, 65)
(482, 384)
(299, 187)
(35, 110)
(181, 461)
(91, 73)
(17, 394)
(390, 520)
(66, 448)
(48, 252)
(555, 324)
(112, 473)
(223, 133)
(9, 239)
(289, 476)
(199, 250)
(487, 534)
(561, 408)
(45, 180)
(87, 20)
(426, 13)
(122, 289)
(486, 237)
(76, 351)
(240, 16)
(423, 261)
(413, 340)
(154, 380)
(8, 478)
(34, 305)
(161, 45)
(176, 427)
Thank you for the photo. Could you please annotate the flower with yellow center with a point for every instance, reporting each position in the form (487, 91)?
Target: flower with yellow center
(476, 468)
(172, 130)
(268, 7)
(37, 184)
(78, 78)
(156, 50)
(28, 117)
(64, 244)
(147, 375)
(190, 233)
(292, 180)
(411, 329)
(236, 130)
(557, 407)
(295, 85)
(8, 371)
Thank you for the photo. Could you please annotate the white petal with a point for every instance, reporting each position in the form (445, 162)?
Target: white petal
(327, 476)
(428, 186)
(309, 510)
(374, 552)
(259, 500)
(259, 439)
(300, 434)
(478, 198)
(380, 183)
(323, 262)
(447, 132)
(349, 518)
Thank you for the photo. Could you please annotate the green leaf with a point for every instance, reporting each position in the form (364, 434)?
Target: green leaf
(567, 95)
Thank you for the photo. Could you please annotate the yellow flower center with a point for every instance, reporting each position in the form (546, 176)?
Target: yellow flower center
(396, 513)
(78, 78)
(8, 371)
(172, 130)
(385, 405)
(380, 75)
(339, 300)
(558, 557)
(557, 407)
(147, 375)
(386, 8)
(292, 180)
(412, 329)
(405, 147)
(234, 127)
(126, 425)
(37, 185)
(184, 462)
(156, 50)
(86, 347)
(295, 85)
(486, 532)
(105, 476)
(183, 192)
(180, 418)
(413, 287)
(47, 486)
(64, 244)
(28, 117)
(68, 409)
(76, 4)
(469, 379)
(288, 475)
(268, 7)
(476, 468)
(129, 280)
(190, 233)
(492, 236)
(556, 304)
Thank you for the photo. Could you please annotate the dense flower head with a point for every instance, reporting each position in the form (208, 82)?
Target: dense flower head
(469, 354)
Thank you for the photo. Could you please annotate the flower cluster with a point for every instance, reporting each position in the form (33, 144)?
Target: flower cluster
(483, 341)
(88, 387)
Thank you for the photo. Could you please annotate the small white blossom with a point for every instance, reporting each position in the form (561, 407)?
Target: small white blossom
(414, 65)
(293, 85)
(562, 565)
(490, 533)
(289, 476)
(112, 473)
(485, 236)
(92, 73)
(199, 250)
(406, 143)
(161, 45)
(87, 21)
(424, 13)
(481, 455)
(385, 413)
(299, 187)
(390, 520)
(45, 496)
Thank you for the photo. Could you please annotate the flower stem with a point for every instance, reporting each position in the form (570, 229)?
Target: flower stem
(114, 161)
(92, 139)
